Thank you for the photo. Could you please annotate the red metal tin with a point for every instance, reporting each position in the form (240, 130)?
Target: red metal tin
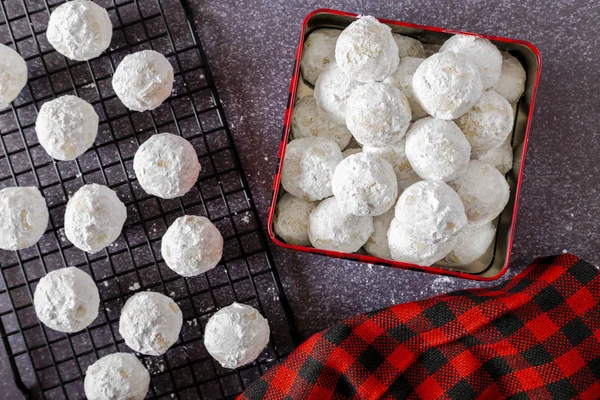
(526, 52)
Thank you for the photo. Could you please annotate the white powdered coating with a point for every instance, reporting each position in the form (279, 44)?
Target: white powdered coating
(366, 50)
(143, 80)
(309, 120)
(79, 29)
(318, 53)
(94, 218)
(308, 166)
(150, 323)
(236, 335)
(488, 123)
(447, 85)
(23, 219)
(430, 49)
(117, 376)
(481, 52)
(408, 47)
(330, 228)
(66, 300)
(471, 244)
(396, 156)
(377, 114)
(348, 152)
(483, 191)
(437, 149)
(511, 85)
(365, 184)
(402, 79)
(377, 245)
(431, 212)
(500, 157)
(303, 90)
(13, 75)
(332, 90)
(291, 219)
(166, 166)
(192, 245)
(405, 249)
(66, 127)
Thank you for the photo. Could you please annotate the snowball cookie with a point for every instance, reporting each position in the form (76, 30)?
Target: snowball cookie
(318, 53)
(150, 323)
(192, 245)
(481, 52)
(377, 245)
(471, 243)
(488, 123)
(408, 47)
(431, 212)
(13, 75)
(66, 300)
(116, 376)
(303, 90)
(94, 218)
(332, 90)
(80, 30)
(365, 184)
(405, 249)
(437, 149)
(308, 166)
(23, 219)
(236, 335)
(330, 228)
(291, 219)
(483, 191)
(166, 166)
(500, 158)
(402, 79)
(511, 84)
(396, 156)
(143, 80)
(366, 50)
(377, 114)
(309, 120)
(447, 85)
(66, 127)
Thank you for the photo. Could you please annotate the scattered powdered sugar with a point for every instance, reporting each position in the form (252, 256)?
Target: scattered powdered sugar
(446, 85)
(236, 335)
(134, 287)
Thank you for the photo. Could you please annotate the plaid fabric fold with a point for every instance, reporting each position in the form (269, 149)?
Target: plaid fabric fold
(536, 336)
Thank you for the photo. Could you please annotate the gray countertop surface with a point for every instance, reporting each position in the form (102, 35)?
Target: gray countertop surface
(251, 45)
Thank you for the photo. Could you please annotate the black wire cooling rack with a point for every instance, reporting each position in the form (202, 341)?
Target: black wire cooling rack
(49, 364)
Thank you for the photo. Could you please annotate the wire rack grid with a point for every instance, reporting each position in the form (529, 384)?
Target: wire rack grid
(49, 364)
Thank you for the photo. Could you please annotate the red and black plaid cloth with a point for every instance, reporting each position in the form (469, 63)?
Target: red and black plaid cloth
(536, 336)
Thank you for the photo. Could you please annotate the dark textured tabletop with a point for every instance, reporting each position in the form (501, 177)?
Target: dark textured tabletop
(251, 46)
